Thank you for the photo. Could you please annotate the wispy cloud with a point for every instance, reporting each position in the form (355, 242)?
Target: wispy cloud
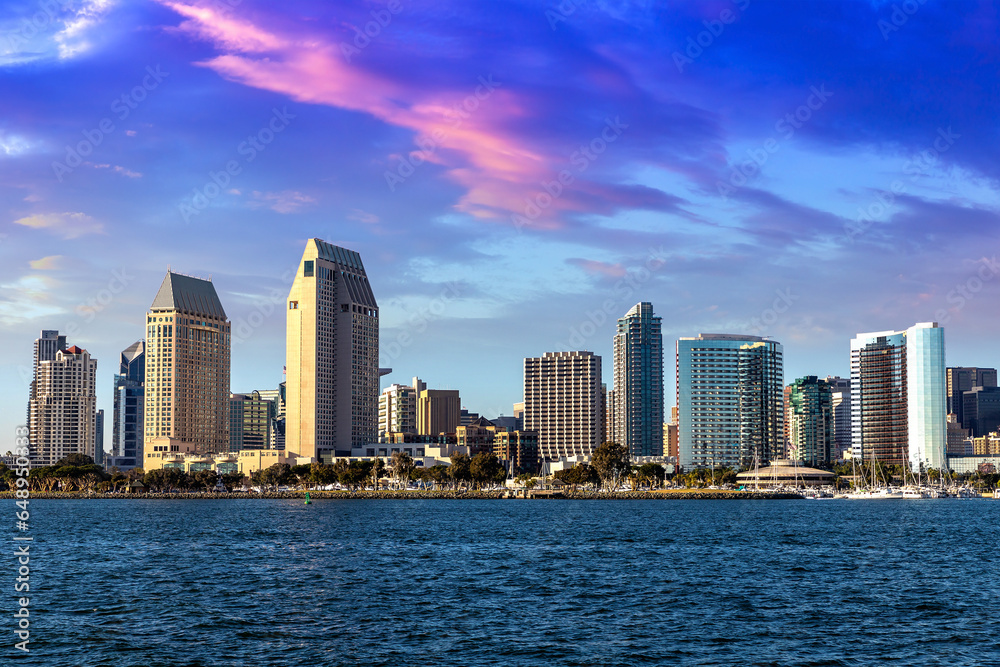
(66, 225)
(286, 201)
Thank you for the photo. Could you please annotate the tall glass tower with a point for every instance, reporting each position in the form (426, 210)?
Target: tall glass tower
(899, 396)
(638, 390)
(331, 354)
(129, 405)
(729, 400)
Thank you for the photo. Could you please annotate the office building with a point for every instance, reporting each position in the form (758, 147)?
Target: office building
(840, 403)
(638, 382)
(562, 402)
(518, 450)
(810, 416)
(898, 396)
(981, 410)
(187, 365)
(99, 437)
(961, 379)
(129, 403)
(397, 410)
(251, 418)
(331, 354)
(438, 411)
(729, 400)
(62, 413)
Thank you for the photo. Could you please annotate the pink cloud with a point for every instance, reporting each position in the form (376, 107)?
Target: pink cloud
(501, 172)
(597, 268)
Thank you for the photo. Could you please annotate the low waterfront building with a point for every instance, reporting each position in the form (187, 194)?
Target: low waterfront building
(785, 472)
(969, 464)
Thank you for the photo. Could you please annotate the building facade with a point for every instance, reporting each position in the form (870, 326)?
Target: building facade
(638, 382)
(397, 410)
(961, 379)
(729, 400)
(438, 411)
(840, 402)
(898, 397)
(187, 365)
(810, 417)
(331, 354)
(562, 402)
(62, 413)
(518, 450)
(127, 429)
(981, 410)
(251, 418)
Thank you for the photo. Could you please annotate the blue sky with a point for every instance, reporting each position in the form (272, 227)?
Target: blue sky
(515, 175)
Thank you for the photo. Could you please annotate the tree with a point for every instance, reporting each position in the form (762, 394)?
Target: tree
(75, 459)
(206, 479)
(232, 479)
(378, 470)
(612, 462)
(651, 474)
(460, 468)
(486, 468)
(303, 473)
(401, 465)
(439, 475)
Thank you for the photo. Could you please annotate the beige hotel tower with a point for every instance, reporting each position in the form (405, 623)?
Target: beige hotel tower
(187, 365)
(332, 377)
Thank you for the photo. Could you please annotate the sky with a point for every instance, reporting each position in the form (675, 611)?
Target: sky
(515, 175)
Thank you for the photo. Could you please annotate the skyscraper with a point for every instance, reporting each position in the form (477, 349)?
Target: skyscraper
(46, 345)
(729, 400)
(562, 401)
(62, 413)
(331, 354)
(251, 418)
(898, 396)
(840, 403)
(129, 406)
(962, 379)
(187, 365)
(810, 421)
(638, 388)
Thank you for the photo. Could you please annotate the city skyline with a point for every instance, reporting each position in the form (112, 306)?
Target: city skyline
(861, 211)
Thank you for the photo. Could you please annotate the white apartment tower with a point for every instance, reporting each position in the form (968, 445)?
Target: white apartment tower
(62, 412)
(562, 401)
(331, 354)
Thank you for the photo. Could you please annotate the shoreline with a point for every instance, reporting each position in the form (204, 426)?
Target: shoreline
(416, 495)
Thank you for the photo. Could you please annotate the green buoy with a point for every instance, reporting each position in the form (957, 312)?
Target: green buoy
(308, 501)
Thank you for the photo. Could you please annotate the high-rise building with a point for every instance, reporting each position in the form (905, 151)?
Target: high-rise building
(961, 379)
(981, 410)
(898, 396)
(129, 405)
(62, 413)
(99, 437)
(810, 416)
(187, 365)
(438, 411)
(45, 348)
(729, 400)
(562, 401)
(251, 417)
(331, 354)
(278, 424)
(840, 403)
(397, 410)
(638, 388)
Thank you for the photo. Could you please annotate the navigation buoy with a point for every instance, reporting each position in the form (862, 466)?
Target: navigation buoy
(308, 501)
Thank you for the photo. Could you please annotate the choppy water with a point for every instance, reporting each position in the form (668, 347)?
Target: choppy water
(179, 583)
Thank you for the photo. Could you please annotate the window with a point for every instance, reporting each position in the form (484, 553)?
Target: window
(293, 305)
(307, 268)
